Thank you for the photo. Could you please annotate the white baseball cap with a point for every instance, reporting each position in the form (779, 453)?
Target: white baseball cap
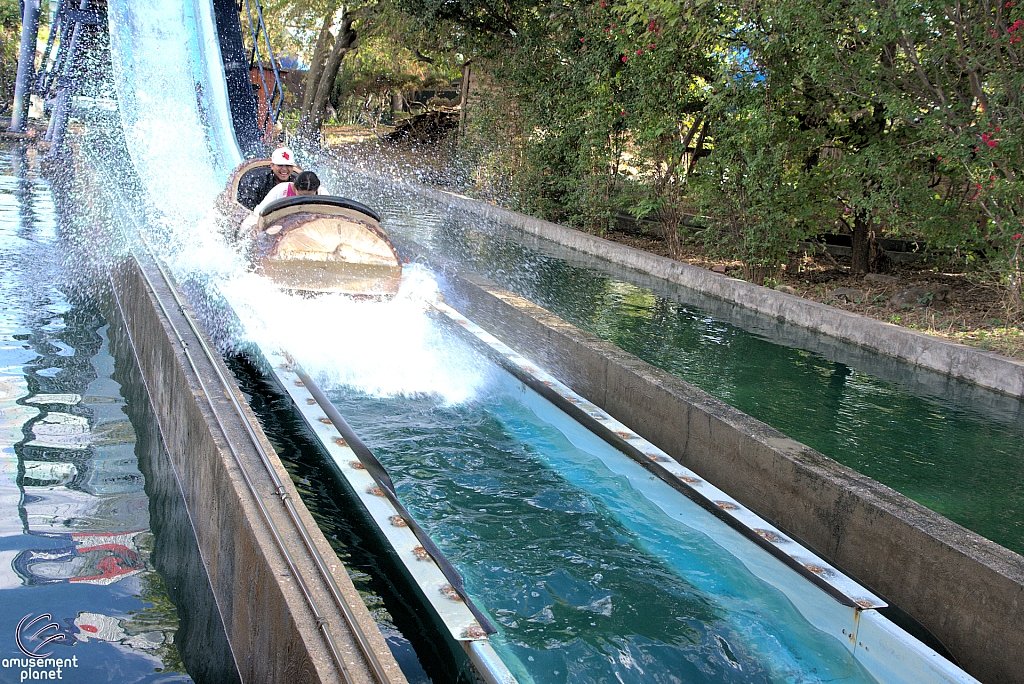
(283, 157)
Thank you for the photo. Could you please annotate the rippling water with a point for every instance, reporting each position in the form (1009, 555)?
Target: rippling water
(588, 580)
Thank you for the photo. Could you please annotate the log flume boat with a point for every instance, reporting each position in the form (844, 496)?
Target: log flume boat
(315, 243)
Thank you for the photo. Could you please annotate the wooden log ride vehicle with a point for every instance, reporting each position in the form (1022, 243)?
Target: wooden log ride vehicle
(315, 243)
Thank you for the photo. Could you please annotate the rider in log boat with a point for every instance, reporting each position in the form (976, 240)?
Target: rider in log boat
(308, 242)
(305, 183)
(256, 184)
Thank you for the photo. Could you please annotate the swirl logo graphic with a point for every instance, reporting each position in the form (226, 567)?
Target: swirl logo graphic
(44, 635)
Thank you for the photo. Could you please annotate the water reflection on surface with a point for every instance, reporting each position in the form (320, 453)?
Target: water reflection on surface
(77, 576)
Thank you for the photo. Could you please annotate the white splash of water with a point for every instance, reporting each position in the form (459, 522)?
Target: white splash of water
(204, 254)
(173, 100)
(384, 349)
(173, 104)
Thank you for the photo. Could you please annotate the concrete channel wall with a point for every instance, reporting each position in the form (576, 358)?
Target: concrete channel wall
(957, 360)
(270, 626)
(963, 588)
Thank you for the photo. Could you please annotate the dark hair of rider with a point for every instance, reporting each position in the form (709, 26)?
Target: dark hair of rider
(306, 181)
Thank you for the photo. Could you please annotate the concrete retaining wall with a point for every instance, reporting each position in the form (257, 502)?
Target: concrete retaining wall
(966, 590)
(269, 624)
(957, 360)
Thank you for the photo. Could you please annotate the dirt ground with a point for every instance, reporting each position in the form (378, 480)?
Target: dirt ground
(956, 306)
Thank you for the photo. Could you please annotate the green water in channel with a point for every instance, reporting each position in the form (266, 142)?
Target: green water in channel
(586, 578)
(954, 448)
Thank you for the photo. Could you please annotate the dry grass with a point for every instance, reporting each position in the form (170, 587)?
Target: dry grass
(334, 136)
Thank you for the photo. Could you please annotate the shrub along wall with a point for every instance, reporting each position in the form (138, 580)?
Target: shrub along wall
(765, 122)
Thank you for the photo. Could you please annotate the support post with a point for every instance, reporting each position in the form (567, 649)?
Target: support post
(464, 96)
(26, 65)
(58, 123)
(66, 82)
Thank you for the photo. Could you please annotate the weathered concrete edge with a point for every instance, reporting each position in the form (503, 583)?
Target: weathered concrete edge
(269, 625)
(958, 360)
(965, 589)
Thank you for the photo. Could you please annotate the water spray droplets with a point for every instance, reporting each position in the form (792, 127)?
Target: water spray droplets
(382, 348)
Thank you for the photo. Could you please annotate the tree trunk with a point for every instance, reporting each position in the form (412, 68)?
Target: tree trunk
(464, 96)
(860, 251)
(867, 255)
(342, 44)
(316, 67)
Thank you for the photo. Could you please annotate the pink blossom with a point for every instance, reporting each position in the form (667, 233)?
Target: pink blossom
(1018, 236)
(639, 51)
(624, 58)
(991, 143)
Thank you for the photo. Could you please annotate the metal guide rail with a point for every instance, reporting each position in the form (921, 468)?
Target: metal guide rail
(847, 609)
(803, 561)
(436, 578)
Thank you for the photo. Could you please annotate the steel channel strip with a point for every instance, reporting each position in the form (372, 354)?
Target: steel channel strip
(368, 653)
(794, 555)
(454, 612)
(387, 489)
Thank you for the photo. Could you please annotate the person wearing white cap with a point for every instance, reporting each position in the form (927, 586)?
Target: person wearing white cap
(256, 184)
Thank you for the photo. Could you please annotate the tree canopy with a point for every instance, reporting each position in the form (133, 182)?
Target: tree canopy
(743, 126)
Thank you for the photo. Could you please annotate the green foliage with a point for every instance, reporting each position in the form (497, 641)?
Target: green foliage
(393, 54)
(753, 192)
(381, 67)
(749, 126)
(294, 25)
(10, 14)
(10, 41)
